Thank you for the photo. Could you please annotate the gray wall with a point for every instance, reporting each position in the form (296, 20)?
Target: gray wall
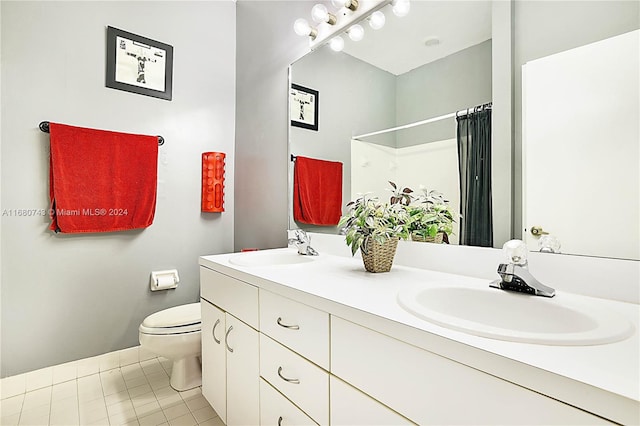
(66, 297)
(266, 45)
(355, 97)
(542, 28)
(453, 83)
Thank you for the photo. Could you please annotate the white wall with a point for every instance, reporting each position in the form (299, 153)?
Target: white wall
(432, 165)
(67, 297)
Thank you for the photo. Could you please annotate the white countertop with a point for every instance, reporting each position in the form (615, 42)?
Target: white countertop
(602, 379)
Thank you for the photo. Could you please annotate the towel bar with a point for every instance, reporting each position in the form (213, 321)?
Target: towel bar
(44, 127)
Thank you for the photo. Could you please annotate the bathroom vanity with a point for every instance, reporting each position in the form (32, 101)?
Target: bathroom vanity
(291, 339)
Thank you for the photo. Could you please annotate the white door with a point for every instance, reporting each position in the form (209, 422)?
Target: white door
(580, 148)
(214, 365)
(243, 373)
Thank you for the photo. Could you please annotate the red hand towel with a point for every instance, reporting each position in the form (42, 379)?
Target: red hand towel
(101, 181)
(317, 191)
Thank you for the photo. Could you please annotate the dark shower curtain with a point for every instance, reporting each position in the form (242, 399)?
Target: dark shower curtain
(474, 161)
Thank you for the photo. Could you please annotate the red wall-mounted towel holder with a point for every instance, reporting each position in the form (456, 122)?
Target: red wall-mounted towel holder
(213, 182)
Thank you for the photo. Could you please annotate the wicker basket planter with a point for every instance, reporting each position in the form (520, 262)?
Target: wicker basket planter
(379, 257)
(437, 239)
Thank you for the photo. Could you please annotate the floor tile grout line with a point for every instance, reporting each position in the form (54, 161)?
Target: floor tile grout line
(104, 400)
(77, 398)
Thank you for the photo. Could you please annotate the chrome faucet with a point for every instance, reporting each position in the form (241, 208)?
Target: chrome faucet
(515, 275)
(302, 241)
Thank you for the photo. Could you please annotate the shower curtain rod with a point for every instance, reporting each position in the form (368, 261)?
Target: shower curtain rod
(427, 121)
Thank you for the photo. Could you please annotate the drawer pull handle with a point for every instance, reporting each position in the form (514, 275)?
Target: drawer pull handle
(290, 327)
(280, 421)
(294, 381)
(213, 332)
(226, 339)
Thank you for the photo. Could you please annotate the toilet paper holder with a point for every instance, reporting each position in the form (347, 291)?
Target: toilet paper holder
(164, 280)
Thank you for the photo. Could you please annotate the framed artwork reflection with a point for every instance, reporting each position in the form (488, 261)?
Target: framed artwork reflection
(138, 64)
(304, 107)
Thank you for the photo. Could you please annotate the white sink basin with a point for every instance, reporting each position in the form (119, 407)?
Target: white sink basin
(269, 258)
(562, 320)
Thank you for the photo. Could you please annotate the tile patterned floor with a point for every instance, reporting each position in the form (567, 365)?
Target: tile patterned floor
(134, 394)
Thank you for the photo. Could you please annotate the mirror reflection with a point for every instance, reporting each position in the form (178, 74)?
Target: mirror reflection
(397, 75)
(361, 93)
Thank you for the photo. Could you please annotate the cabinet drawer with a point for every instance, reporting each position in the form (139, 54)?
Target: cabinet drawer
(350, 407)
(430, 389)
(304, 383)
(300, 327)
(276, 410)
(234, 296)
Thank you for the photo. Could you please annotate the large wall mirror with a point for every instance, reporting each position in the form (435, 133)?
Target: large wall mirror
(437, 60)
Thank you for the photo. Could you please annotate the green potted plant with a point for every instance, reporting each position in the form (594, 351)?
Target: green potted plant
(374, 228)
(431, 217)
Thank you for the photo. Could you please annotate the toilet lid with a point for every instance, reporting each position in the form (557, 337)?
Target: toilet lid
(183, 316)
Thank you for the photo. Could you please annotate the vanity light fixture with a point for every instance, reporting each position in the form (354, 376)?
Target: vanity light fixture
(302, 28)
(377, 20)
(336, 44)
(320, 14)
(356, 32)
(347, 17)
(400, 7)
(352, 5)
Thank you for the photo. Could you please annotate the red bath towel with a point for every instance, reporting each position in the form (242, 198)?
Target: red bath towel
(101, 181)
(317, 191)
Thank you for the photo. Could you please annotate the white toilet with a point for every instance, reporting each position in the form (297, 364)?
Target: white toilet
(175, 334)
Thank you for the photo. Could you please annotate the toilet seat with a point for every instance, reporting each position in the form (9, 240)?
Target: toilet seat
(177, 320)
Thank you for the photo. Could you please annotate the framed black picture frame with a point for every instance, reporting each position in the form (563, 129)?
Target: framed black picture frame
(138, 64)
(304, 104)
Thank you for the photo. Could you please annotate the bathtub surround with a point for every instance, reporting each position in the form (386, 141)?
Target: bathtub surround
(68, 297)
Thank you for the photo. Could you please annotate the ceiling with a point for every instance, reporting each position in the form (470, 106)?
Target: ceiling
(399, 46)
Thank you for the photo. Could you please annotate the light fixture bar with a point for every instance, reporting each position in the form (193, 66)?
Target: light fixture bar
(346, 20)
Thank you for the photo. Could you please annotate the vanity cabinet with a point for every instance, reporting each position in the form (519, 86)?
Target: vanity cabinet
(294, 354)
(274, 360)
(430, 389)
(297, 326)
(276, 410)
(230, 348)
(351, 407)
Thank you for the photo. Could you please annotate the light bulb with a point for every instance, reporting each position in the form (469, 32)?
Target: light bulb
(302, 27)
(356, 32)
(377, 20)
(349, 4)
(337, 44)
(320, 14)
(400, 7)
